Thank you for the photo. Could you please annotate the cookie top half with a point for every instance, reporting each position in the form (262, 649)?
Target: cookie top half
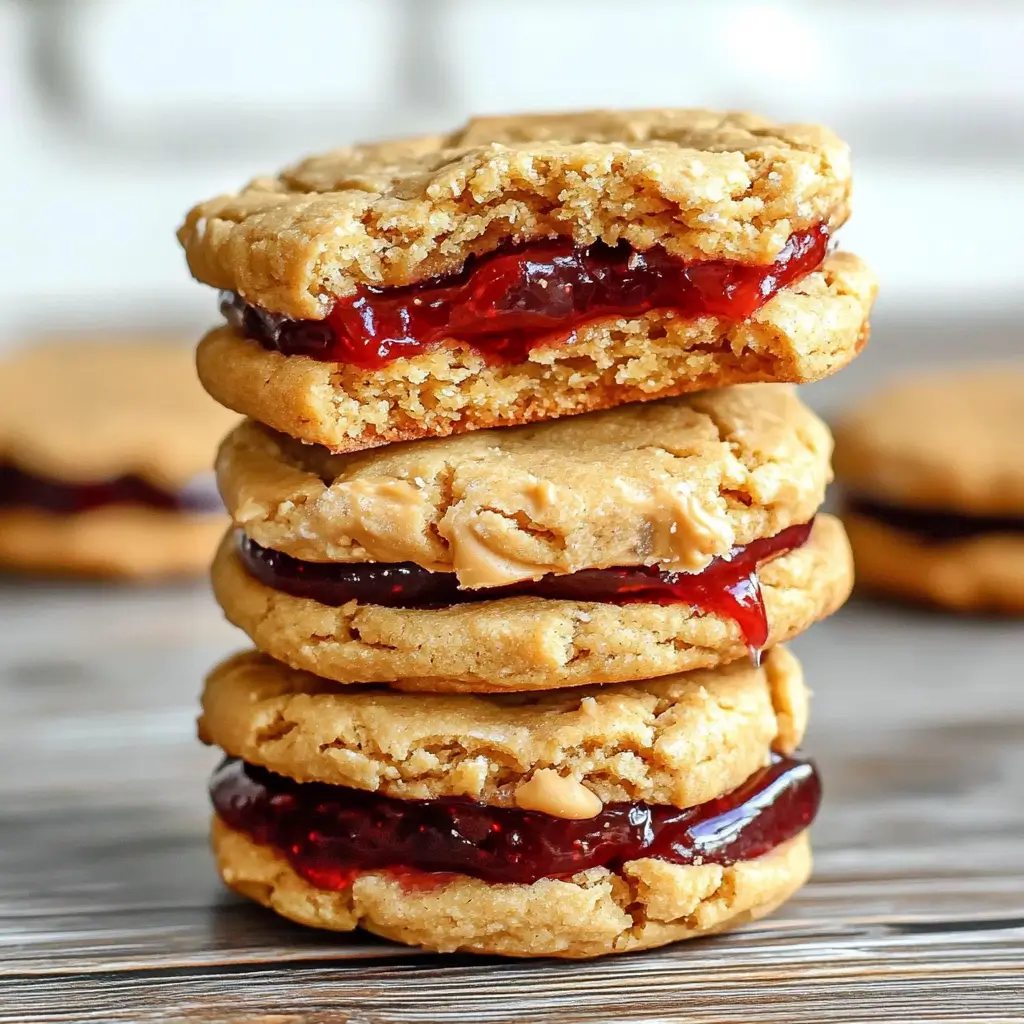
(676, 483)
(945, 441)
(682, 740)
(85, 410)
(702, 184)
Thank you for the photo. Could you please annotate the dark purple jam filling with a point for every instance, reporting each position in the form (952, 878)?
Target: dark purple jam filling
(510, 301)
(20, 489)
(729, 586)
(934, 526)
(330, 833)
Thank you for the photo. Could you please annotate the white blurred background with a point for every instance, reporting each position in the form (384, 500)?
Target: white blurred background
(118, 114)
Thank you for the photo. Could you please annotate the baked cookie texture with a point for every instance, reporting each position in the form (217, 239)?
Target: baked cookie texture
(983, 573)
(85, 410)
(948, 441)
(117, 542)
(673, 483)
(649, 903)
(526, 643)
(681, 740)
(804, 333)
(703, 184)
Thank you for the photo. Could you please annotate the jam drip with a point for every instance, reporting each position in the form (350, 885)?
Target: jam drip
(329, 833)
(20, 489)
(510, 301)
(934, 526)
(728, 586)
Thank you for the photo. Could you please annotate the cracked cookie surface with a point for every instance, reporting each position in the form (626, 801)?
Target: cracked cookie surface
(703, 184)
(649, 903)
(804, 333)
(673, 483)
(681, 740)
(526, 643)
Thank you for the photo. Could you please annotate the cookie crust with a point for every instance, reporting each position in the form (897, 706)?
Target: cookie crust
(684, 478)
(680, 740)
(948, 441)
(119, 542)
(526, 643)
(88, 410)
(650, 903)
(804, 333)
(703, 184)
(976, 574)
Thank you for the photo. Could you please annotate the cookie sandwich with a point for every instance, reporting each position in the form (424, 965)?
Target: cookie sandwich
(573, 823)
(524, 268)
(620, 545)
(934, 488)
(104, 461)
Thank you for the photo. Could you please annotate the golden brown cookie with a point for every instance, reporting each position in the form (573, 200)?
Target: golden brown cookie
(680, 740)
(673, 483)
(703, 184)
(804, 333)
(527, 643)
(648, 903)
(935, 488)
(104, 460)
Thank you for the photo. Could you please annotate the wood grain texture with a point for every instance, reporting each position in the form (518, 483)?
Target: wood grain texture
(110, 909)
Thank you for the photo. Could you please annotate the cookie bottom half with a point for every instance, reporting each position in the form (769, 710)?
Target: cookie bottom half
(980, 573)
(118, 542)
(647, 903)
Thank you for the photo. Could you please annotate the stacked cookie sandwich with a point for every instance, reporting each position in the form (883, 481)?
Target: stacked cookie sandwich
(517, 536)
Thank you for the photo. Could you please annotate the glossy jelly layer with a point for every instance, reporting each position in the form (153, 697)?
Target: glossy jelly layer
(20, 489)
(330, 833)
(729, 586)
(510, 301)
(934, 526)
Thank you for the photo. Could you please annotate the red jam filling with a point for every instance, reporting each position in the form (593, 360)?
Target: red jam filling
(934, 526)
(330, 833)
(729, 586)
(510, 301)
(20, 489)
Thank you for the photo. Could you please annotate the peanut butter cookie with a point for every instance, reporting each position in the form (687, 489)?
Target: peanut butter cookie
(674, 483)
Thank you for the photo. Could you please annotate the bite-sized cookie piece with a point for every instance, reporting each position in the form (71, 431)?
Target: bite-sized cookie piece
(526, 268)
(681, 740)
(609, 627)
(104, 460)
(674, 483)
(934, 488)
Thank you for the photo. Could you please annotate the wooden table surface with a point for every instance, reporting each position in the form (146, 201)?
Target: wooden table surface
(110, 910)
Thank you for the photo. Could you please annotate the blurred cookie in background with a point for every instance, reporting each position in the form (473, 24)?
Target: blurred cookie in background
(105, 455)
(933, 477)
